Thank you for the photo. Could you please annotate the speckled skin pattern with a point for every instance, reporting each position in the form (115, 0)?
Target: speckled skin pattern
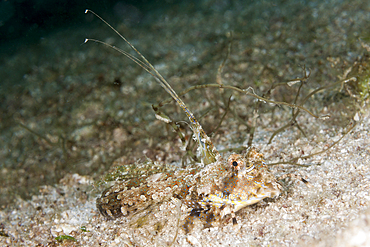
(211, 190)
(210, 193)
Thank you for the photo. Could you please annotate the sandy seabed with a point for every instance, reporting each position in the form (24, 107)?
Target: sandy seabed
(89, 107)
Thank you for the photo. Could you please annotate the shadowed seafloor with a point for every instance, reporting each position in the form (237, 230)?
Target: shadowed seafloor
(69, 111)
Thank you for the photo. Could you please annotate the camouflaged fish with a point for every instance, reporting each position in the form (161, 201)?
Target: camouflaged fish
(212, 189)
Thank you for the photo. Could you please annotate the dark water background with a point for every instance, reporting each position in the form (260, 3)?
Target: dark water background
(62, 103)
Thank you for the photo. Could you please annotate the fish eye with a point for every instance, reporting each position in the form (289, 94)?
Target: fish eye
(235, 164)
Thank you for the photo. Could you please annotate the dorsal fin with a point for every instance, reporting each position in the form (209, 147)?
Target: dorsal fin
(205, 146)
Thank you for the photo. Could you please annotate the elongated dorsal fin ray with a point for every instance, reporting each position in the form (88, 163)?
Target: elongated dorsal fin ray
(208, 151)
